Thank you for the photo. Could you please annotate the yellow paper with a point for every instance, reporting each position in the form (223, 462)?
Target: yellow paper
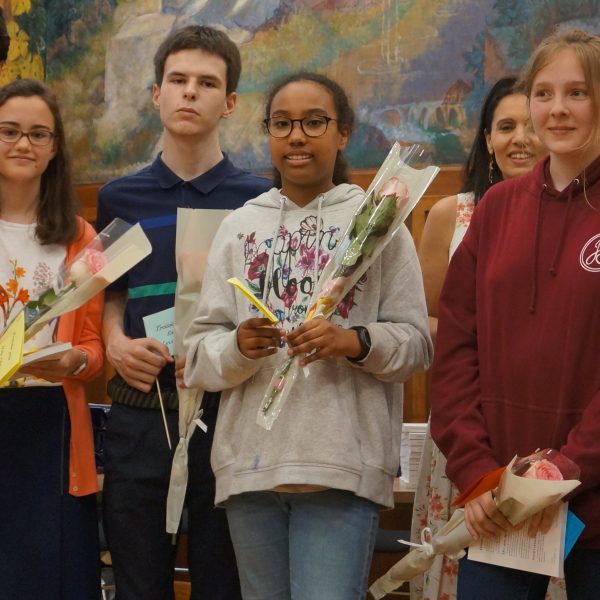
(11, 348)
(259, 304)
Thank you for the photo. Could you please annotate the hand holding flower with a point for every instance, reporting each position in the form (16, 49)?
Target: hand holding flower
(138, 361)
(387, 202)
(319, 338)
(257, 338)
(542, 521)
(483, 519)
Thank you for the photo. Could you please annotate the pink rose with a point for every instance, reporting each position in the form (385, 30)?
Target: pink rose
(95, 260)
(87, 265)
(394, 187)
(334, 288)
(543, 469)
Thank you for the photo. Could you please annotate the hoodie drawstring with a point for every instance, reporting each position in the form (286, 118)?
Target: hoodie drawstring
(270, 261)
(318, 241)
(536, 246)
(563, 232)
(559, 247)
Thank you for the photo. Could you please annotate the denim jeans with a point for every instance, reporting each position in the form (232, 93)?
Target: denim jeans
(480, 581)
(305, 546)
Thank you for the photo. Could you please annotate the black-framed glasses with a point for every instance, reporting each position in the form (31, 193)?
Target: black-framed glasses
(36, 137)
(313, 126)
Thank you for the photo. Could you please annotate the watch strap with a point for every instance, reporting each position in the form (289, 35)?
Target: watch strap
(365, 343)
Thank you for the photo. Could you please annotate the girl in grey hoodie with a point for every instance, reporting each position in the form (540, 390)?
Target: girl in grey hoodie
(302, 500)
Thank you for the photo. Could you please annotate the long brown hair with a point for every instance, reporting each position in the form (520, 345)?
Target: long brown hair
(57, 207)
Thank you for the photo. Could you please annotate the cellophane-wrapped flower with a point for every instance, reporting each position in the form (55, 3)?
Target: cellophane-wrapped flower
(394, 192)
(117, 248)
(525, 487)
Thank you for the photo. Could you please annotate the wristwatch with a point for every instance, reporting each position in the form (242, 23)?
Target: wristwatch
(364, 340)
(82, 366)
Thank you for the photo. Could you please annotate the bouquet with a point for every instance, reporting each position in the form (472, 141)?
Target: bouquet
(196, 229)
(523, 488)
(87, 263)
(393, 193)
(111, 253)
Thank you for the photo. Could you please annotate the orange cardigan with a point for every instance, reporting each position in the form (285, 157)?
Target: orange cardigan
(82, 328)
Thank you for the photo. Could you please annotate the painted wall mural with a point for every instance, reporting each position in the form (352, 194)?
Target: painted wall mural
(417, 70)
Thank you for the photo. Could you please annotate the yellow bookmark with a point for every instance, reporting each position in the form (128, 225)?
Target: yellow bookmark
(264, 309)
(11, 348)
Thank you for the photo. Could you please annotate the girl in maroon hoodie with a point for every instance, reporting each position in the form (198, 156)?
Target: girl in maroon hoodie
(518, 345)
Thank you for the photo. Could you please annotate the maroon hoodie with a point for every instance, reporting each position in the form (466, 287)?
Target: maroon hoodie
(517, 357)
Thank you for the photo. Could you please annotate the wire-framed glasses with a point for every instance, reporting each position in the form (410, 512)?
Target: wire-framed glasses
(313, 126)
(36, 137)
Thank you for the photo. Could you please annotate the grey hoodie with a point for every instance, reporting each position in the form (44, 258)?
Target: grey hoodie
(340, 427)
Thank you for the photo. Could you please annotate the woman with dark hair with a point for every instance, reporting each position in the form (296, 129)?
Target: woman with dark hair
(48, 530)
(505, 146)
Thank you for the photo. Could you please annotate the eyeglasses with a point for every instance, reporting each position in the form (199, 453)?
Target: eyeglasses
(313, 126)
(36, 137)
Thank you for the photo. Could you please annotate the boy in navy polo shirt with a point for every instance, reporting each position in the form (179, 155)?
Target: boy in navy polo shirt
(197, 70)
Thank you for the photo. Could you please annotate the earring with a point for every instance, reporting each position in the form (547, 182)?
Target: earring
(491, 168)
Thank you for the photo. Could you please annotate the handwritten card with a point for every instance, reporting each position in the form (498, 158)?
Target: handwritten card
(161, 326)
(11, 348)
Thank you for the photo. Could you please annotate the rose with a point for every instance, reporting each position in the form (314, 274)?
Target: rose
(328, 297)
(394, 187)
(87, 265)
(334, 287)
(543, 469)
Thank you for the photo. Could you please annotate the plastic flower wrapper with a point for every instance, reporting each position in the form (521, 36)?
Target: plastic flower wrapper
(195, 231)
(87, 263)
(393, 193)
(111, 253)
(117, 248)
(523, 488)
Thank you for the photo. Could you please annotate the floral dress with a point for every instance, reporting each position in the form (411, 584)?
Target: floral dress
(435, 493)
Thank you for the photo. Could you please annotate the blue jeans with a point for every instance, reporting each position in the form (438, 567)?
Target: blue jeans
(480, 581)
(306, 546)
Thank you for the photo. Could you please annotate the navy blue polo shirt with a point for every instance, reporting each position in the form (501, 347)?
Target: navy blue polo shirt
(151, 197)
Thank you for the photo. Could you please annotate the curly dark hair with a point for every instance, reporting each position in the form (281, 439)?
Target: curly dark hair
(343, 109)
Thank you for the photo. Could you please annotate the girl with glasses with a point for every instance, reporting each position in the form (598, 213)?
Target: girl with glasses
(302, 500)
(48, 530)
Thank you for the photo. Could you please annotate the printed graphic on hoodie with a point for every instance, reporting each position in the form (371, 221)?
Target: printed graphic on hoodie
(297, 261)
(590, 254)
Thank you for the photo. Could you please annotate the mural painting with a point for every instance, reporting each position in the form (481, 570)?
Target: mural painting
(417, 70)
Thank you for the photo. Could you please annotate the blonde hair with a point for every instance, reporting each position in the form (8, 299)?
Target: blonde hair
(587, 49)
